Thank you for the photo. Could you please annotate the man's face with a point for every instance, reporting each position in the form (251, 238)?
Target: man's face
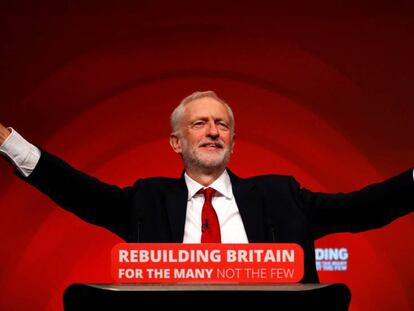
(205, 140)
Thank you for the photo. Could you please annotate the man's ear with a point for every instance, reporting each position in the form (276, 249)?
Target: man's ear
(233, 143)
(175, 143)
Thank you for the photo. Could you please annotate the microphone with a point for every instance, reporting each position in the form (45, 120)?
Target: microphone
(205, 225)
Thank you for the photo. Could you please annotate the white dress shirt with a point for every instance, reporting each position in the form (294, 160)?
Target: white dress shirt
(25, 157)
(223, 201)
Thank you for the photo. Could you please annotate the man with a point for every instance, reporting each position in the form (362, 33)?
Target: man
(209, 203)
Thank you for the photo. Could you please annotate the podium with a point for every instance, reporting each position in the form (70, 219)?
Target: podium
(200, 296)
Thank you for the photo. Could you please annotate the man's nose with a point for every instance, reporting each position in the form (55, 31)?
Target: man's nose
(212, 130)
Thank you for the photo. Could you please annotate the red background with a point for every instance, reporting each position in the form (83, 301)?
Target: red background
(320, 92)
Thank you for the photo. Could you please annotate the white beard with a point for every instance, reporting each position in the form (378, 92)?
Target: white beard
(195, 158)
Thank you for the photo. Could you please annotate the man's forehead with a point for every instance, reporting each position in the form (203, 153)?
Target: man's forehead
(206, 105)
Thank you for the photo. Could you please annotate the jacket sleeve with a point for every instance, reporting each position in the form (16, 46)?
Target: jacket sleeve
(92, 200)
(368, 208)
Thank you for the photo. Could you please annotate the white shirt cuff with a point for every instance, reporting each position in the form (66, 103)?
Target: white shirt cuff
(21, 153)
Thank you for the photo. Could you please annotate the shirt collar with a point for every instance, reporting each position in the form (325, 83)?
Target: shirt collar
(221, 185)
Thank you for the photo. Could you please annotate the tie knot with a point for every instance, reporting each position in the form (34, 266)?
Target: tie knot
(208, 193)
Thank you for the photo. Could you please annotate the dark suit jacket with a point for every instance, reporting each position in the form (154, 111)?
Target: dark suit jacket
(273, 208)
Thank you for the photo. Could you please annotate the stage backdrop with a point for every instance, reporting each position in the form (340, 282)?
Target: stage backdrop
(321, 93)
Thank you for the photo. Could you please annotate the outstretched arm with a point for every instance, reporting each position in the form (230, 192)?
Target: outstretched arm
(87, 197)
(368, 208)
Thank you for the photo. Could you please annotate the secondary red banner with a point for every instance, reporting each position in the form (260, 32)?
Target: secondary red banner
(207, 263)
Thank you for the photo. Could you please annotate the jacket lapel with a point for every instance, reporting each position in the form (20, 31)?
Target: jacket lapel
(247, 198)
(176, 202)
(250, 206)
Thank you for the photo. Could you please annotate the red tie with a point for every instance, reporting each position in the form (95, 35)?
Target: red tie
(210, 228)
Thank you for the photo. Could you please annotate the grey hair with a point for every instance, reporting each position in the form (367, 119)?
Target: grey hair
(177, 114)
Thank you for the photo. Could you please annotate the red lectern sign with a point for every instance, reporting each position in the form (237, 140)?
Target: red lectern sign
(210, 262)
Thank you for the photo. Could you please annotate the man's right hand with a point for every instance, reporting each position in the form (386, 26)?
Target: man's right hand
(4, 133)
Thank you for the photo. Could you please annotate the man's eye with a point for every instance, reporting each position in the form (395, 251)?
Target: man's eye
(223, 125)
(199, 124)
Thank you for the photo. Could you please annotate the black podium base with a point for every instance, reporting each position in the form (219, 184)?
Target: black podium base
(200, 296)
